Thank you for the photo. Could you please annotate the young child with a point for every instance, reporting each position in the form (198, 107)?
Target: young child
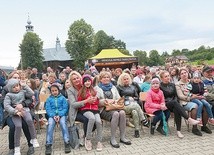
(17, 93)
(198, 89)
(56, 108)
(146, 83)
(90, 110)
(155, 104)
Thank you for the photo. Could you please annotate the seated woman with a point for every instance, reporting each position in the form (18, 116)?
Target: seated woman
(185, 97)
(72, 92)
(172, 103)
(8, 121)
(174, 73)
(66, 86)
(107, 91)
(128, 90)
(155, 104)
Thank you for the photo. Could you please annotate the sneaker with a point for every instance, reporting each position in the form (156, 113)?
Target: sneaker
(99, 146)
(211, 121)
(30, 150)
(160, 130)
(88, 144)
(17, 151)
(180, 135)
(130, 124)
(67, 147)
(196, 132)
(206, 129)
(145, 123)
(192, 121)
(136, 134)
(11, 152)
(200, 122)
(34, 142)
(48, 149)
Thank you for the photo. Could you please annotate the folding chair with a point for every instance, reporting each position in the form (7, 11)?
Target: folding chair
(39, 110)
(149, 116)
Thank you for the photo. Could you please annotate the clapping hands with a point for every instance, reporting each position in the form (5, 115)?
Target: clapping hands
(92, 99)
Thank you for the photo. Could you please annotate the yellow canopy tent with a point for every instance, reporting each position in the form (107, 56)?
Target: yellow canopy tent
(113, 58)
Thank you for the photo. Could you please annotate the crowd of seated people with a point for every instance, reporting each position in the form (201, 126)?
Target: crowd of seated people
(82, 96)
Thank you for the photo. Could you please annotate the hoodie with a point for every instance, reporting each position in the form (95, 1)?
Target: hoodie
(12, 98)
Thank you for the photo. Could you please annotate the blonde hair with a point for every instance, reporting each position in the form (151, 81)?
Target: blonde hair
(74, 73)
(103, 73)
(120, 79)
(52, 75)
(147, 77)
(23, 73)
(162, 73)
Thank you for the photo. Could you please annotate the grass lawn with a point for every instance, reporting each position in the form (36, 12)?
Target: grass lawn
(208, 62)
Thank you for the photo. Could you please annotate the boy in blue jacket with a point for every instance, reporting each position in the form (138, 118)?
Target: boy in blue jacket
(56, 108)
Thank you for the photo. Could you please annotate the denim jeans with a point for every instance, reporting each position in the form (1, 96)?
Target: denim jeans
(1, 115)
(11, 125)
(200, 104)
(51, 126)
(212, 109)
(81, 118)
(159, 117)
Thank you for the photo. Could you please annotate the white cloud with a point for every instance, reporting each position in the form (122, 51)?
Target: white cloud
(143, 25)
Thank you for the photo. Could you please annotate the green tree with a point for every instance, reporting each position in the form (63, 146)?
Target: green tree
(118, 44)
(184, 51)
(124, 51)
(201, 48)
(165, 54)
(31, 51)
(102, 41)
(176, 52)
(155, 58)
(142, 57)
(80, 42)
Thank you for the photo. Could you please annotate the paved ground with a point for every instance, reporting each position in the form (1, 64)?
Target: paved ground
(157, 144)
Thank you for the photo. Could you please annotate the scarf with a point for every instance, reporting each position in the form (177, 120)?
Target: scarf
(155, 90)
(105, 87)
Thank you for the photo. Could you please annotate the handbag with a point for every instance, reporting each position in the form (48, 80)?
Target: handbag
(119, 105)
(165, 126)
(74, 136)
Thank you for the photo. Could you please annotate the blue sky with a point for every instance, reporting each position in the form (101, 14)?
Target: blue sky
(143, 25)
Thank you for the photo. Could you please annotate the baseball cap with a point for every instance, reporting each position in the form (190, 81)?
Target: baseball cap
(207, 69)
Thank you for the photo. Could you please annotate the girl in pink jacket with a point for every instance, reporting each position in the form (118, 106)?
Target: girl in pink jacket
(155, 104)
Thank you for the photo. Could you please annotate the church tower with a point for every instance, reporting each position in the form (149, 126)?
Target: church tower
(29, 27)
(58, 45)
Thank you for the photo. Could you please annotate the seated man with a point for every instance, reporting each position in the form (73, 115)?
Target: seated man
(209, 84)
